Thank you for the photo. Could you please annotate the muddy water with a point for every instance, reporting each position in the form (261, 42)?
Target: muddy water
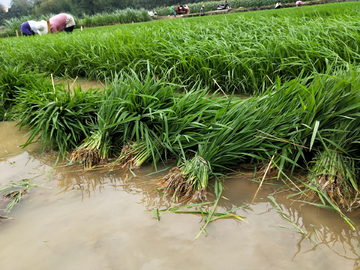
(85, 85)
(82, 83)
(96, 220)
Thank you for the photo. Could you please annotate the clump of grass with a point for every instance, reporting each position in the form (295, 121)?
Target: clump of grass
(133, 155)
(335, 174)
(118, 16)
(13, 80)
(57, 118)
(129, 110)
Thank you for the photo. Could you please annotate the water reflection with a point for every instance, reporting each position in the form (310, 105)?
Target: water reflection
(89, 182)
(324, 228)
(332, 239)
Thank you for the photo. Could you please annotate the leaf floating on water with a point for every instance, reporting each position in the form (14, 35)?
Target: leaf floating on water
(156, 214)
(159, 191)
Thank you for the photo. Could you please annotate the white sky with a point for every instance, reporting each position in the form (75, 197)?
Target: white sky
(5, 3)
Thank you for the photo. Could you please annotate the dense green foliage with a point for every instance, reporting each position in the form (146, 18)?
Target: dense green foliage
(243, 58)
(303, 68)
(303, 123)
(117, 17)
(14, 80)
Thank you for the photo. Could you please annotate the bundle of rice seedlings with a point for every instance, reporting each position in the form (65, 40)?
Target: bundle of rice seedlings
(130, 110)
(58, 119)
(335, 174)
(106, 130)
(188, 182)
(284, 124)
(88, 153)
(134, 154)
(228, 140)
(13, 80)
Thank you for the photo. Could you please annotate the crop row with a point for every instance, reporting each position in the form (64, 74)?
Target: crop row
(234, 52)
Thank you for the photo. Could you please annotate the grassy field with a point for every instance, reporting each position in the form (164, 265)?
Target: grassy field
(161, 97)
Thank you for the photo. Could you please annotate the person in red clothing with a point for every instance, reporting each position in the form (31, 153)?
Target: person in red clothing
(61, 22)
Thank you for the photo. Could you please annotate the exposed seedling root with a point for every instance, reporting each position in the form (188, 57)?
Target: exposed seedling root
(333, 173)
(87, 157)
(181, 187)
(133, 155)
(127, 157)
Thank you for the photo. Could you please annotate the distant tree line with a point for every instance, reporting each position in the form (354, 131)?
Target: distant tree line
(19, 8)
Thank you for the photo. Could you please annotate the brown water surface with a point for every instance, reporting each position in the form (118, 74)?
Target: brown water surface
(96, 220)
(83, 83)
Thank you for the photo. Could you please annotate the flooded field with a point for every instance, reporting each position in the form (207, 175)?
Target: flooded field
(84, 84)
(87, 220)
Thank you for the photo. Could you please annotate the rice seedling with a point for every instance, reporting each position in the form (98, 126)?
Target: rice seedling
(118, 16)
(59, 119)
(208, 216)
(13, 79)
(336, 175)
(14, 192)
(126, 110)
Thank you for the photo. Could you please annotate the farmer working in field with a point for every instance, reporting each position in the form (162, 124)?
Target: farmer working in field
(62, 22)
(202, 11)
(172, 12)
(299, 3)
(32, 27)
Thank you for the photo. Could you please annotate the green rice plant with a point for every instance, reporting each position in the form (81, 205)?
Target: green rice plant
(128, 111)
(230, 142)
(15, 191)
(128, 15)
(292, 124)
(58, 118)
(13, 79)
(336, 175)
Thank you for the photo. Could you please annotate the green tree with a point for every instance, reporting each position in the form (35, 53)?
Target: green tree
(20, 8)
(42, 7)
